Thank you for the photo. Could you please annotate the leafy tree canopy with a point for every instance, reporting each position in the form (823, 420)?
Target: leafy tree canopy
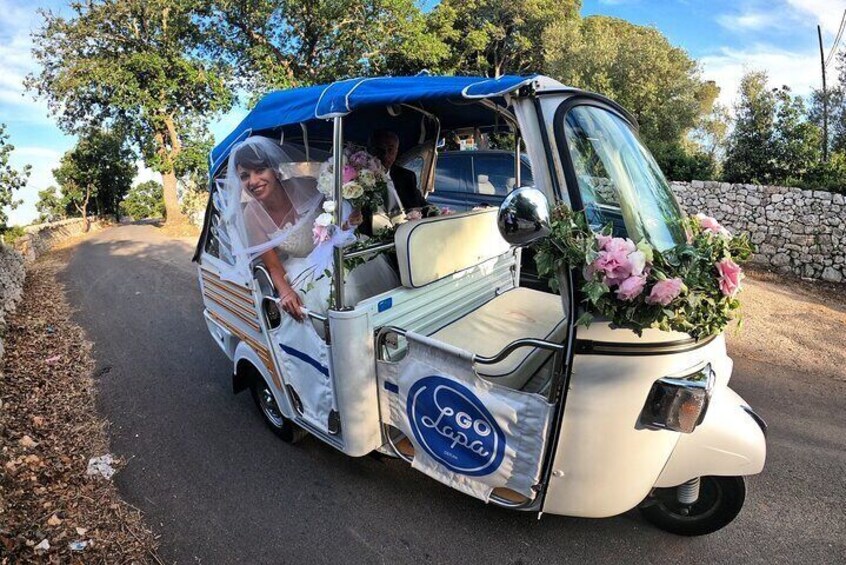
(493, 38)
(285, 43)
(773, 142)
(10, 178)
(144, 201)
(638, 67)
(99, 171)
(137, 65)
(51, 205)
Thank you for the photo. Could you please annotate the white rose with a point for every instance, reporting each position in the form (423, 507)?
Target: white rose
(324, 219)
(352, 190)
(638, 261)
(329, 206)
(366, 178)
(325, 184)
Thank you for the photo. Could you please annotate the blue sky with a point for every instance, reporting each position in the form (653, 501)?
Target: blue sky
(726, 36)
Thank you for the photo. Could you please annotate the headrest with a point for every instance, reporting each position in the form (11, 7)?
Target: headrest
(431, 249)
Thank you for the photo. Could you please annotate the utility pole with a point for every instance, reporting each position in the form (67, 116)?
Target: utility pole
(825, 99)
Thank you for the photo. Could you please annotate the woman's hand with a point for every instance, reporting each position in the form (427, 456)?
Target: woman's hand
(291, 303)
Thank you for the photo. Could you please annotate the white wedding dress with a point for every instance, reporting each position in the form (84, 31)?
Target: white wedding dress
(372, 278)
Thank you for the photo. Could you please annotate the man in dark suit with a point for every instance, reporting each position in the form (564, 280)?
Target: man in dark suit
(384, 145)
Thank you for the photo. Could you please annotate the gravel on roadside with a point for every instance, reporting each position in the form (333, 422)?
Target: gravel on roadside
(52, 510)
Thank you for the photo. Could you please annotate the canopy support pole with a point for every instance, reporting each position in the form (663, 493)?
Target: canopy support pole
(338, 167)
(518, 182)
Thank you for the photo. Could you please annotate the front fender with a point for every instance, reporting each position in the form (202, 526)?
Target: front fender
(729, 442)
(243, 352)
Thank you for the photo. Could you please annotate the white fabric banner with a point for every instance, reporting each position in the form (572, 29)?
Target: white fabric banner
(468, 433)
(305, 367)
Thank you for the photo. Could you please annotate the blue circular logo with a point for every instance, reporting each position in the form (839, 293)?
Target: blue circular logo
(454, 427)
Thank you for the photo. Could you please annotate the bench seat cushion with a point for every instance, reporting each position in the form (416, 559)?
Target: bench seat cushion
(518, 313)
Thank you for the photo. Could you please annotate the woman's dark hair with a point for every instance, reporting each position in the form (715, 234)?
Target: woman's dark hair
(248, 158)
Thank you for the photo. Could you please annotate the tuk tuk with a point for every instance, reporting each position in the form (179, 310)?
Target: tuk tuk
(476, 381)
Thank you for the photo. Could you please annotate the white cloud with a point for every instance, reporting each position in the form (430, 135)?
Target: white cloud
(826, 13)
(798, 70)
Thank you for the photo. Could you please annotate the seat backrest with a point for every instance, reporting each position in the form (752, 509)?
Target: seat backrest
(431, 249)
(485, 185)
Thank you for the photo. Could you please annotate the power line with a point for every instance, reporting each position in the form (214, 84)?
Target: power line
(836, 39)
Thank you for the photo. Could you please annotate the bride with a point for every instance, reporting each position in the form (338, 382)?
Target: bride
(279, 203)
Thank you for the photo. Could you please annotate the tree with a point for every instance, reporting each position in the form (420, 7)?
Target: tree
(637, 67)
(144, 201)
(285, 43)
(493, 38)
(137, 65)
(10, 178)
(750, 146)
(98, 170)
(774, 140)
(51, 205)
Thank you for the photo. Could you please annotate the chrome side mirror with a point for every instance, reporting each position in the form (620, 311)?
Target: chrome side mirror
(524, 216)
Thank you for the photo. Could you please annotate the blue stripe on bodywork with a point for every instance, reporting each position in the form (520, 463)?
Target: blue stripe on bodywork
(303, 357)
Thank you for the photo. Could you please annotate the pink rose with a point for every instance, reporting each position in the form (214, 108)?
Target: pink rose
(631, 288)
(320, 234)
(620, 244)
(664, 292)
(710, 224)
(414, 215)
(445, 211)
(730, 276)
(602, 240)
(350, 173)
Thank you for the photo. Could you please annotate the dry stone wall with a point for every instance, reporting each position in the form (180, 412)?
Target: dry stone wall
(40, 238)
(796, 231)
(11, 286)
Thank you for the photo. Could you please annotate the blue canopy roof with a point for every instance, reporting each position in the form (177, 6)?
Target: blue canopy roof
(298, 105)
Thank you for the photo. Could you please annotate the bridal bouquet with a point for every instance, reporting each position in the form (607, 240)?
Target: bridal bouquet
(365, 181)
(689, 288)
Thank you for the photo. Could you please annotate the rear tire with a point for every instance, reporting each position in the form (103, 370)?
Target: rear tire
(720, 501)
(287, 430)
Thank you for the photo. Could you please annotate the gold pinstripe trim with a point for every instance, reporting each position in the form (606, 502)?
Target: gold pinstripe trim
(260, 350)
(220, 298)
(252, 323)
(235, 292)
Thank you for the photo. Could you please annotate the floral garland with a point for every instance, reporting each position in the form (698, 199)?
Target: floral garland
(689, 288)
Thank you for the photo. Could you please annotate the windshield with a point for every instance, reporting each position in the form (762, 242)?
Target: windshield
(619, 181)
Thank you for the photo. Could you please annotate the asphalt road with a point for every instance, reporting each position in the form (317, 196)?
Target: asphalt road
(221, 488)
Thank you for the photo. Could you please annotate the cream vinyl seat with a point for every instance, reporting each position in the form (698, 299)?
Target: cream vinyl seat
(429, 250)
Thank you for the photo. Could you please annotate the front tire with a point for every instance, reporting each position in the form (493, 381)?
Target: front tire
(720, 501)
(287, 430)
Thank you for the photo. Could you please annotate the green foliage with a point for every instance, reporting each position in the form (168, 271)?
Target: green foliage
(773, 141)
(12, 233)
(144, 200)
(98, 171)
(51, 205)
(700, 309)
(285, 43)
(10, 179)
(637, 67)
(134, 64)
(685, 164)
(492, 38)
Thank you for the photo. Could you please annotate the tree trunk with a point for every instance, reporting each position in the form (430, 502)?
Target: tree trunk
(171, 200)
(172, 148)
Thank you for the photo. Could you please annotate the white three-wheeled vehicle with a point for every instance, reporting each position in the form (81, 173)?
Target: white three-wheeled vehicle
(483, 384)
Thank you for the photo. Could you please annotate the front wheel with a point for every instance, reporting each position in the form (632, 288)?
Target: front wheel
(720, 500)
(281, 426)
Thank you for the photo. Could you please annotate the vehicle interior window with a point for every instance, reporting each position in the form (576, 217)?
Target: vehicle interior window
(493, 174)
(450, 175)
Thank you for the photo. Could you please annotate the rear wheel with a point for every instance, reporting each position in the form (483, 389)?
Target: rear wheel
(719, 502)
(281, 426)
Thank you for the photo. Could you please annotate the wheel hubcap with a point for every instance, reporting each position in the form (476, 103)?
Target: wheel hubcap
(270, 408)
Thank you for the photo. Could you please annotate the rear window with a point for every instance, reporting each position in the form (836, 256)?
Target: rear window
(451, 174)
